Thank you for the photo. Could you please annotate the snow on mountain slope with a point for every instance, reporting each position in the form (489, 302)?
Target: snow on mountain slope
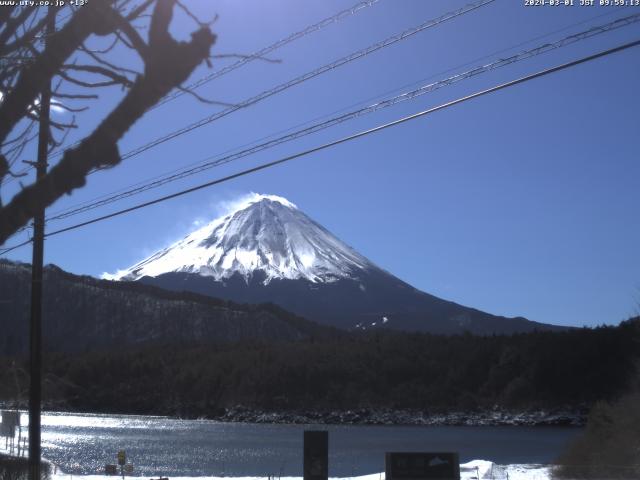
(265, 233)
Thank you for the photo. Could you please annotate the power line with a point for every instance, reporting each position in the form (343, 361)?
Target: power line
(414, 116)
(269, 49)
(424, 89)
(257, 55)
(308, 76)
(14, 247)
(479, 59)
(484, 57)
(342, 140)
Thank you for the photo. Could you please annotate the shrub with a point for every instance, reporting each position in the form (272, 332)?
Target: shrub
(17, 468)
(610, 444)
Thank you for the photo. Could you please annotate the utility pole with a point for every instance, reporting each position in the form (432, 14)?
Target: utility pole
(35, 332)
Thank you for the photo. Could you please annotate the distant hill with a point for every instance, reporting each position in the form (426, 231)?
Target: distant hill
(132, 348)
(82, 313)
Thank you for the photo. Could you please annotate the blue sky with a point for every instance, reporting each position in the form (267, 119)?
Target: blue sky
(523, 202)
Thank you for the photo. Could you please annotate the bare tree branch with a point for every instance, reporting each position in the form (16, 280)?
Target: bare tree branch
(68, 108)
(18, 137)
(95, 56)
(109, 48)
(5, 14)
(135, 40)
(139, 10)
(12, 25)
(197, 21)
(28, 36)
(75, 96)
(62, 126)
(167, 64)
(56, 143)
(95, 69)
(200, 98)
(59, 47)
(238, 55)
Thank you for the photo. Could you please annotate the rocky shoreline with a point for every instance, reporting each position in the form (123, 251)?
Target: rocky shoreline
(560, 417)
(496, 417)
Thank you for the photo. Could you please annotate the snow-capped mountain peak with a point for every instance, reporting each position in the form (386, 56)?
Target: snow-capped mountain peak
(263, 233)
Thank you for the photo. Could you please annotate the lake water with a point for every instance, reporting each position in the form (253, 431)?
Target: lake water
(81, 444)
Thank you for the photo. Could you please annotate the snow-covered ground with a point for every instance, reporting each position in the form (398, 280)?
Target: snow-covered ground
(474, 470)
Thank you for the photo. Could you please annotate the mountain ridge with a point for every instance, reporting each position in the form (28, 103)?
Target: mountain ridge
(82, 313)
(265, 233)
(267, 250)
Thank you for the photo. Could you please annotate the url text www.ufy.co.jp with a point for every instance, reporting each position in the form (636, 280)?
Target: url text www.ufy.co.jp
(42, 3)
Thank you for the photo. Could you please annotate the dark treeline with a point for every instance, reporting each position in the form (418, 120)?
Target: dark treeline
(379, 370)
(82, 314)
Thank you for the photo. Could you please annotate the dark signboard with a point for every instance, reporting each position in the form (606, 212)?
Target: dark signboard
(316, 455)
(422, 466)
(111, 469)
(7, 430)
(10, 420)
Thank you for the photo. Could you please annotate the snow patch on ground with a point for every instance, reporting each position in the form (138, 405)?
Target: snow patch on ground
(473, 470)
(529, 472)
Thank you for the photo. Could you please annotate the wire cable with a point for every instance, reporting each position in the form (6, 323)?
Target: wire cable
(422, 90)
(268, 49)
(377, 97)
(4, 251)
(254, 56)
(308, 76)
(289, 158)
(363, 133)
(328, 20)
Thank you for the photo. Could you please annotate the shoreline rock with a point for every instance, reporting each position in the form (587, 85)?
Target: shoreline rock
(559, 417)
(406, 417)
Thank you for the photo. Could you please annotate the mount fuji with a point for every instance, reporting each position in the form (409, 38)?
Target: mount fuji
(267, 250)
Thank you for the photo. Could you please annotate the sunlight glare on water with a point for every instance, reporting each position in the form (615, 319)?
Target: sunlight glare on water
(81, 444)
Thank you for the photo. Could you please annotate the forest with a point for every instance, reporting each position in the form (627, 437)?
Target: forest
(382, 369)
